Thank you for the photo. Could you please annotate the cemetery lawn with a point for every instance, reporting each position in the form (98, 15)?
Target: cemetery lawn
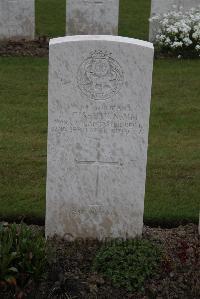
(133, 19)
(173, 172)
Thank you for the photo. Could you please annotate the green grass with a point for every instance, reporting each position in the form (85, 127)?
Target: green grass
(50, 17)
(173, 173)
(173, 187)
(23, 123)
(133, 19)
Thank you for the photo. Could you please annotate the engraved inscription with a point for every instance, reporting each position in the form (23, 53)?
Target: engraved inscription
(101, 119)
(93, 210)
(93, 2)
(100, 76)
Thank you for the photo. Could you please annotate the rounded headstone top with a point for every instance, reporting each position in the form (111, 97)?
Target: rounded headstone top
(111, 38)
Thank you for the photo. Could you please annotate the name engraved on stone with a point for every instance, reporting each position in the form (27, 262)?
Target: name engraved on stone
(103, 118)
(100, 76)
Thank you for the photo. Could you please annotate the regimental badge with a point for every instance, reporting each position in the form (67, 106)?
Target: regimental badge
(100, 76)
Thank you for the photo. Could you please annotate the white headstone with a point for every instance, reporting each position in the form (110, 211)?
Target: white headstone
(99, 106)
(164, 6)
(92, 17)
(17, 19)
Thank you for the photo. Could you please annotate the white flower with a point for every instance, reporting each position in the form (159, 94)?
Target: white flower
(197, 47)
(162, 37)
(187, 41)
(179, 29)
(172, 29)
(196, 34)
(177, 44)
(168, 41)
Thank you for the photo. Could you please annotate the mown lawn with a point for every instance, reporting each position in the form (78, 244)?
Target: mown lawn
(174, 152)
(23, 124)
(50, 17)
(173, 188)
(173, 172)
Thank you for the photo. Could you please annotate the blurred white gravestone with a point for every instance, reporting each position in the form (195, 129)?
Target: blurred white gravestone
(165, 6)
(92, 17)
(17, 19)
(98, 122)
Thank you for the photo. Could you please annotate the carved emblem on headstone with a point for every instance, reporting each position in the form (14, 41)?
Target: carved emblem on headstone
(100, 76)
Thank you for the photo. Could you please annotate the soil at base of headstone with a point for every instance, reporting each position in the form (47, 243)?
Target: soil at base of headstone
(40, 48)
(35, 48)
(70, 274)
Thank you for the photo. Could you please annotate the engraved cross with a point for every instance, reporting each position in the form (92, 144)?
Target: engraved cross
(98, 163)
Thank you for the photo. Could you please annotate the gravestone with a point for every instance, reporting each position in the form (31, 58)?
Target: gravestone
(92, 17)
(165, 6)
(17, 19)
(99, 106)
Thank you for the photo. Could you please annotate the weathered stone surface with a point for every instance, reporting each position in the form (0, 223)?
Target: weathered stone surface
(99, 106)
(17, 19)
(92, 17)
(164, 6)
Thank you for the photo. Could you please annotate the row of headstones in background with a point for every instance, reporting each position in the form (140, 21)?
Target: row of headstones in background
(17, 18)
(164, 6)
(92, 17)
(98, 122)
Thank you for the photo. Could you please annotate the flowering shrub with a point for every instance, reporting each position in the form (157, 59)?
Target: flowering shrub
(179, 32)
